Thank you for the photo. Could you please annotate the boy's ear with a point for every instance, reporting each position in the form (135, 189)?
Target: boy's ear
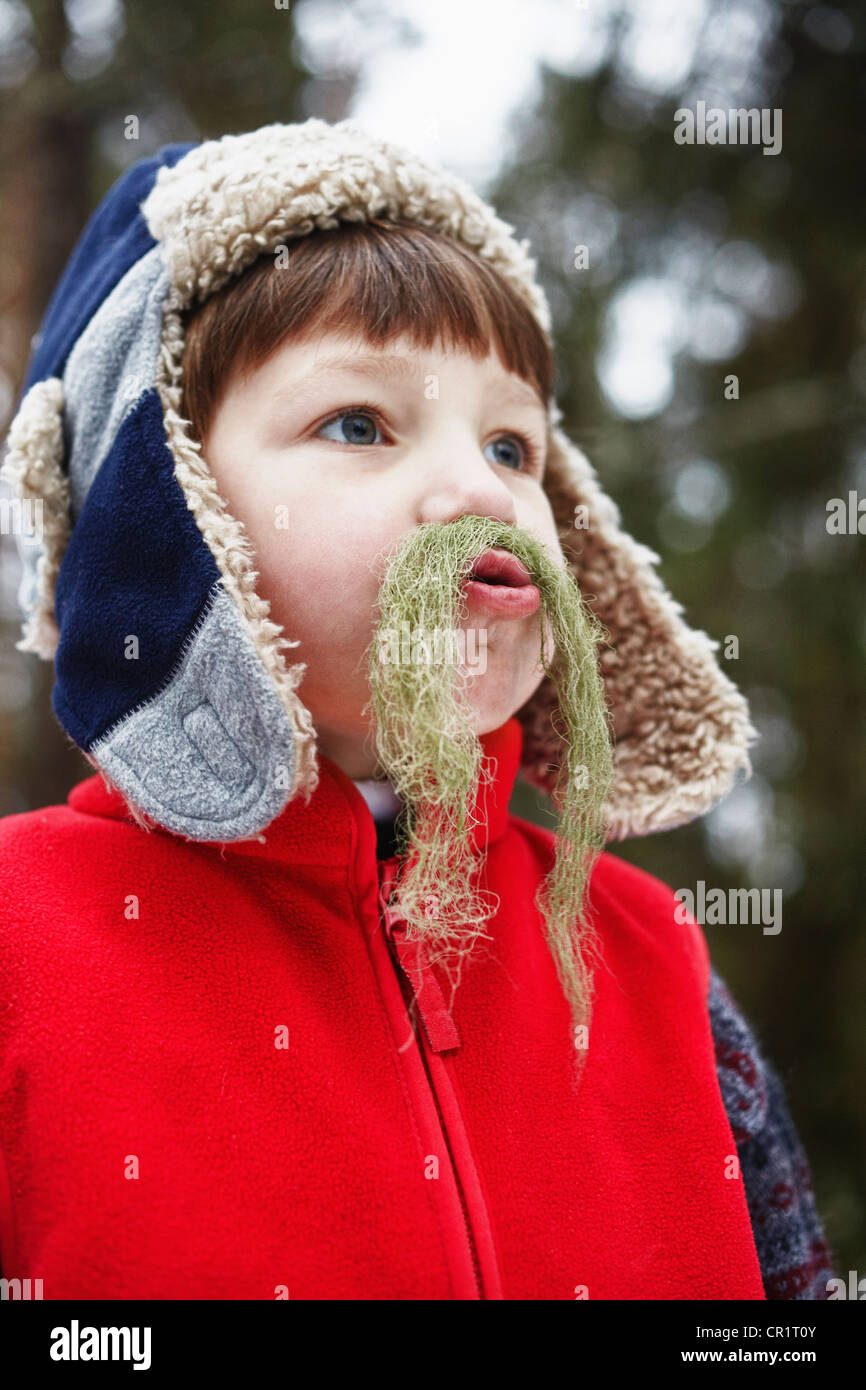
(681, 727)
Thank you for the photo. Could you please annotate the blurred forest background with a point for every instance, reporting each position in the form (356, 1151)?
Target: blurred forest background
(703, 262)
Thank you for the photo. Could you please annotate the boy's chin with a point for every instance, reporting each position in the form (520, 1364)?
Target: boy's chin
(488, 707)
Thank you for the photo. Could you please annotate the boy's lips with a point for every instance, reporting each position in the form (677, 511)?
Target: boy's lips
(501, 585)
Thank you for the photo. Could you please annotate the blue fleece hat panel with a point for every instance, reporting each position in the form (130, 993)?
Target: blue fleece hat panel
(114, 238)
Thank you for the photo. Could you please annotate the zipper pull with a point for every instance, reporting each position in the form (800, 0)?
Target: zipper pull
(414, 961)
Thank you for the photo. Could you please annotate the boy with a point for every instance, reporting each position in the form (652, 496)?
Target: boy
(231, 1021)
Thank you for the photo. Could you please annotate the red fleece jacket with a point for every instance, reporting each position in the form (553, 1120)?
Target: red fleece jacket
(210, 1087)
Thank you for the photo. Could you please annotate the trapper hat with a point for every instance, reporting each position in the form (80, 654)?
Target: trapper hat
(208, 736)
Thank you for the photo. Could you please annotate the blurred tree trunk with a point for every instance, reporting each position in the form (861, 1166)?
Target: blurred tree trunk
(45, 150)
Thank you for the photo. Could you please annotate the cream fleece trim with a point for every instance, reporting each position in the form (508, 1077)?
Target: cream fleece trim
(682, 728)
(230, 546)
(33, 466)
(230, 200)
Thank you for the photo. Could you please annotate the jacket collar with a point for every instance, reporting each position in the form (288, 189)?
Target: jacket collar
(329, 827)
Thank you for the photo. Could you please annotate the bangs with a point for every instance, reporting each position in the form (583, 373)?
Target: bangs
(377, 279)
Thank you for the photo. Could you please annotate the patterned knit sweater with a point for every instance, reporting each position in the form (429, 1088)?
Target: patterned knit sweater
(793, 1253)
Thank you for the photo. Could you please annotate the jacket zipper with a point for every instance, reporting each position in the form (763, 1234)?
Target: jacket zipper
(410, 960)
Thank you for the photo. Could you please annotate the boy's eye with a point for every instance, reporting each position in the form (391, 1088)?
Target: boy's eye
(353, 427)
(513, 451)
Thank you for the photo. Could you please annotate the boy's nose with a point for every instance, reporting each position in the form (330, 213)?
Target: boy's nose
(466, 487)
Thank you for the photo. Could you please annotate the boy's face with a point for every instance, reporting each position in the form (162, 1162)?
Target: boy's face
(334, 451)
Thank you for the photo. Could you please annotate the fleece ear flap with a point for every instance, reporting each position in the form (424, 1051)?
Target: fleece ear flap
(681, 727)
(34, 467)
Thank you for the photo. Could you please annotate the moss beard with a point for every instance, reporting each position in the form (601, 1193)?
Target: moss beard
(424, 731)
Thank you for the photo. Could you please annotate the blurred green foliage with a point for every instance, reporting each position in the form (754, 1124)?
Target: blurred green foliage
(596, 164)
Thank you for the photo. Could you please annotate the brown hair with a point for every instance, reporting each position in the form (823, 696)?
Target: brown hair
(383, 278)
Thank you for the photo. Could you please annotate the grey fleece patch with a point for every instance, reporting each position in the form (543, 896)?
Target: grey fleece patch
(212, 755)
(112, 364)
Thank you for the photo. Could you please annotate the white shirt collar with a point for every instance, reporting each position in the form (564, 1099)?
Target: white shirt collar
(383, 801)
